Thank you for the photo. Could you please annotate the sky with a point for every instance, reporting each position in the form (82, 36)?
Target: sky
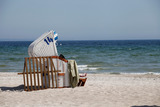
(80, 19)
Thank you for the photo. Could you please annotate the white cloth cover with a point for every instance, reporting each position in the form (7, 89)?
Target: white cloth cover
(45, 45)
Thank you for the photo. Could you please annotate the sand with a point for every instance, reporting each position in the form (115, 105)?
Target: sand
(100, 90)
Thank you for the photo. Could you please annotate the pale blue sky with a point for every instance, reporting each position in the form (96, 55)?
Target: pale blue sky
(80, 19)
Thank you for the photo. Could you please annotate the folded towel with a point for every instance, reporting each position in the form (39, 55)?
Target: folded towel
(73, 71)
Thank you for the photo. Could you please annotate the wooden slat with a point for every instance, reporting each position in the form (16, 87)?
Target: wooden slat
(30, 73)
(57, 57)
(24, 76)
(37, 73)
(52, 72)
(44, 69)
(52, 64)
(56, 79)
(27, 75)
(41, 71)
(48, 72)
(55, 75)
(34, 73)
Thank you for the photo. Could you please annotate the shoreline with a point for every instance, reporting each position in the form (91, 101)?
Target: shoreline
(124, 90)
(116, 73)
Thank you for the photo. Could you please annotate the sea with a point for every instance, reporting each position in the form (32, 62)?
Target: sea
(92, 56)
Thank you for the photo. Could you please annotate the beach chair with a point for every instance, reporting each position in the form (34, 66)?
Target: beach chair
(42, 73)
(44, 68)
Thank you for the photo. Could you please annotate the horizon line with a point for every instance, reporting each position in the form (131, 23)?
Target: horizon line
(89, 40)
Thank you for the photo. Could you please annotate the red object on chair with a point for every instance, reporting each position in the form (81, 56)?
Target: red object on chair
(82, 81)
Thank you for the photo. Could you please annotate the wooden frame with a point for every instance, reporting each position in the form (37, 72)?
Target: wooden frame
(40, 73)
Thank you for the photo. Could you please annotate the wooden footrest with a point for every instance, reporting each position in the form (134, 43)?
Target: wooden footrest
(82, 81)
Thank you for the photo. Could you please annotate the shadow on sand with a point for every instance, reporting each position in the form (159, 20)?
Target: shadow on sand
(18, 88)
(146, 106)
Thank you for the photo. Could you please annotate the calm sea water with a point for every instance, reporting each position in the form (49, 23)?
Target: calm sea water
(118, 56)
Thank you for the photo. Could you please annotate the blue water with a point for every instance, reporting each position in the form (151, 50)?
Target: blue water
(116, 56)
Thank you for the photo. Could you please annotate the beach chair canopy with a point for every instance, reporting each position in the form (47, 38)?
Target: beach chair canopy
(45, 45)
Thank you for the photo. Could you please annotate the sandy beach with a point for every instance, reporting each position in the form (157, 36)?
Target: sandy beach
(100, 90)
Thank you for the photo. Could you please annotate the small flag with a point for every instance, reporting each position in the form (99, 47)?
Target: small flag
(55, 36)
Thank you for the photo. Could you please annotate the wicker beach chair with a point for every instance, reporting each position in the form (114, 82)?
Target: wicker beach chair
(44, 68)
